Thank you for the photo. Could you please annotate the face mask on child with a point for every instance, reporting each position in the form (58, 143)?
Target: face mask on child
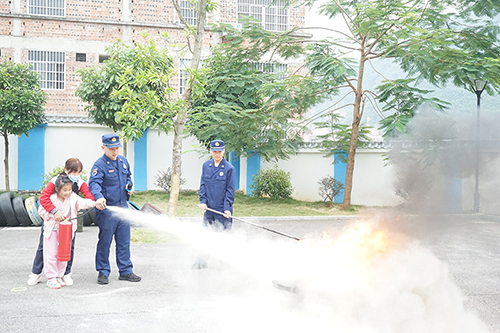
(74, 179)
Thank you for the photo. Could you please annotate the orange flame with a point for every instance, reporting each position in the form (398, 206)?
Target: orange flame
(359, 241)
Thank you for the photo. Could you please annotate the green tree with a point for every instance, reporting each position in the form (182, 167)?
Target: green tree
(337, 136)
(438, 41)
(98, 84)
(250, 97)
(194, 38)
(132, 91)
(22, 103)
(96, 88)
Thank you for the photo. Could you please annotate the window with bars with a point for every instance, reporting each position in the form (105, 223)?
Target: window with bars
(275, 68)
(51, 67)
(188, 12)
(47, 7)
(272, 14)
(183, 74)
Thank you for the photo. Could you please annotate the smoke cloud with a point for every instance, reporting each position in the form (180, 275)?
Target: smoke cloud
(363, 278)
(437, 159)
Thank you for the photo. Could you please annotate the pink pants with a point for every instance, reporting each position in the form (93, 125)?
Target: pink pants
(53, 267)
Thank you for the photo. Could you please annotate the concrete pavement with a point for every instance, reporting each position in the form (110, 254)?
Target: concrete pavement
(173, 298)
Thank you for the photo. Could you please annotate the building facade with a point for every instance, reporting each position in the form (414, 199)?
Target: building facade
(60, 36)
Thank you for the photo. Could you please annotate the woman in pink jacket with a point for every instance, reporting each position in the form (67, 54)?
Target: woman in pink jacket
(68, 204)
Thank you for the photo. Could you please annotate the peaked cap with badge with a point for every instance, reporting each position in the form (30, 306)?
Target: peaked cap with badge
(111, 140)
(217, 145)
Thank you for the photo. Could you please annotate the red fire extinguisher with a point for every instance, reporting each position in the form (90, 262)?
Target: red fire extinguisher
(64, 246)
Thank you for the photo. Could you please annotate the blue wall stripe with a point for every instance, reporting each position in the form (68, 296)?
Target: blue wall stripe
(31, 159)
(235, 161)
(141, 163)
(339, 173)
(253, 166)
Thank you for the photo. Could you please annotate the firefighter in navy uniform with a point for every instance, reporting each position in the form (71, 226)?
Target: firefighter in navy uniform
(110, 180)
(217, 184)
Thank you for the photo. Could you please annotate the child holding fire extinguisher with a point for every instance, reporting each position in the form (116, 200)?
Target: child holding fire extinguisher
(67, 203)
(73, 168)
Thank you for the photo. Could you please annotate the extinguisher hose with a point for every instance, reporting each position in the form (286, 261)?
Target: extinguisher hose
(81, 215)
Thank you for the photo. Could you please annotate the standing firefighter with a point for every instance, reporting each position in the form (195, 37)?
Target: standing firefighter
(218, 179)
(109, 181)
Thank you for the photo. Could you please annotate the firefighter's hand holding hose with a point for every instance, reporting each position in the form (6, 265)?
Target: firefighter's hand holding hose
(100, 203)
(227, 213)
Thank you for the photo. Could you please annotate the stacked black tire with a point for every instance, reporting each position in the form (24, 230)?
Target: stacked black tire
(89, 218)
(15, 211)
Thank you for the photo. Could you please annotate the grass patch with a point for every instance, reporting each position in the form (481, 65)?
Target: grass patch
(244, 205)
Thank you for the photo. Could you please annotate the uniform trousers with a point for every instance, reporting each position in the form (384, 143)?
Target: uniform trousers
(120, 229)
(217, 221)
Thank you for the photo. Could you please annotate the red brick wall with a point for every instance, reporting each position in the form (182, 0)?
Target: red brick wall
(72, 30)
(94, 9)
(5, 26)
(7, 53)
(5, 6)
(152, 11)
(142, 12)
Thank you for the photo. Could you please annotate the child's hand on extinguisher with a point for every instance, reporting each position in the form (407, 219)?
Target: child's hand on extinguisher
(59, 216)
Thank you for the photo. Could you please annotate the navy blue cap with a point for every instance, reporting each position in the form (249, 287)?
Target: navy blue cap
(217, 145)
(111, 140)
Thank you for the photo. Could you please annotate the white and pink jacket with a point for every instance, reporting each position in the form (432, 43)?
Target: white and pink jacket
(70, 211)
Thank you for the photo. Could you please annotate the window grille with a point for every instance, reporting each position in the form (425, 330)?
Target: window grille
(183, 74)
(275, 68)
(50, 66)
(47, 7)
(188, 12)
(81, 57)
(272, 14)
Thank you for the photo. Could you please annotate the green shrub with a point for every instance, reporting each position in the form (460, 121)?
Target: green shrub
(274, 183)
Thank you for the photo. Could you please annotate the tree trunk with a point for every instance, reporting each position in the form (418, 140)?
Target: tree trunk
(6, 161)
(176, 163)
(181, 117)
(357, 115)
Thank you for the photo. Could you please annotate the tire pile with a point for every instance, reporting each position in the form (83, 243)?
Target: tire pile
(15, 211)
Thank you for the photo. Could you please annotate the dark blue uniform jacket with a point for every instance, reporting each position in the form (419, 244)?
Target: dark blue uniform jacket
(109, 181)
(217, 188)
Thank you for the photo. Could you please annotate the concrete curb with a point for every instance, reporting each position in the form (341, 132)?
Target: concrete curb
(284, 218)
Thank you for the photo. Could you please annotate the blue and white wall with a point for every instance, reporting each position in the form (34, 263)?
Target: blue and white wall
(49, 146)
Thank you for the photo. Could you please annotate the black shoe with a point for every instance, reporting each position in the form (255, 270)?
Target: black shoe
(102, 279)
(130, 277)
